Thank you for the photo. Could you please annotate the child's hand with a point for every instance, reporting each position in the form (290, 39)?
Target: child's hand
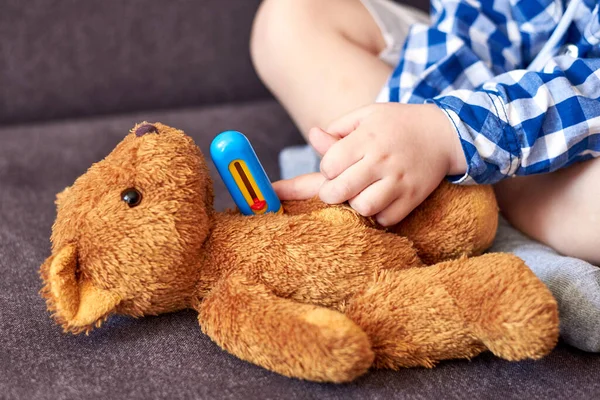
(384, 159)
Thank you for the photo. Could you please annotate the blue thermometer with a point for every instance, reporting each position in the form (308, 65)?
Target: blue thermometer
(243, 174)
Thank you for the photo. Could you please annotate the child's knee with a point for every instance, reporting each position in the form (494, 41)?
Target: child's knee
(278, 26)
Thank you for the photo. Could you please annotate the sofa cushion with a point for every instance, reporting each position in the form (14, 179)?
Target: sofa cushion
(168, 356)
(76, 58)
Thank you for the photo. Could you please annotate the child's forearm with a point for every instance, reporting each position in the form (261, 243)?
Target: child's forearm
(524, 123)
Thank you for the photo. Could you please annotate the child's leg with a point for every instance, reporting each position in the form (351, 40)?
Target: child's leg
(319, 58)
(561, 209)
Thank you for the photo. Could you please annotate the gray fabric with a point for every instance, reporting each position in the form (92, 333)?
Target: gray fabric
(298, 160)
(167, 357)
(574, 283)
(68, 58)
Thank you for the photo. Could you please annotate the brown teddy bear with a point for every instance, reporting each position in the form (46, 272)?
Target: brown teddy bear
(317, 293)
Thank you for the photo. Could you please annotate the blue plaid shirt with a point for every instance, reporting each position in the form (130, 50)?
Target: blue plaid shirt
(472, 63)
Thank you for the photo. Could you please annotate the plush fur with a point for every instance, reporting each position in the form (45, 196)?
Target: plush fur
(317, 293)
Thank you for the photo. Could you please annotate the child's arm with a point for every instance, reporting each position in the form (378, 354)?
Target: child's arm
(517, 123)
(386, 159)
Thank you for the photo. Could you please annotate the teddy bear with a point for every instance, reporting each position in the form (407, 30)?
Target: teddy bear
(317, 292)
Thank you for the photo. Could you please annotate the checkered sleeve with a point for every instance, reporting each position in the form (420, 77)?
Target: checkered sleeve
(523, 122)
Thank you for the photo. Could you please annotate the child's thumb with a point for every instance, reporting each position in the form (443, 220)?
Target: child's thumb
(300, 188)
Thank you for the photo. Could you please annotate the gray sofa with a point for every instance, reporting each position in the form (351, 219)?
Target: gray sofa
(74, 77)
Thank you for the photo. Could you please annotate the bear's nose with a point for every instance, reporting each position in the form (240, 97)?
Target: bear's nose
(146, 128)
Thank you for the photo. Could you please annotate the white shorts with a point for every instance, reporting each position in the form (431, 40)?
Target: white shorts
(394, 21)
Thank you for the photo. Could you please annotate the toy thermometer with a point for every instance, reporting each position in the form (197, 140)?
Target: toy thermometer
(243, 174)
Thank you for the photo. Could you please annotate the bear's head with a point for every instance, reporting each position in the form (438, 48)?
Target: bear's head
(130, 231)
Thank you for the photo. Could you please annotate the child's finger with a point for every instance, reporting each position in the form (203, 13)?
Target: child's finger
(396, 211)
(300, 188)
(375, 198)
(342, 155)
(320, 140)
(345, 125)
(348, 184)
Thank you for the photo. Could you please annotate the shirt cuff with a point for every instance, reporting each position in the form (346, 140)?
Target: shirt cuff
(489, 143)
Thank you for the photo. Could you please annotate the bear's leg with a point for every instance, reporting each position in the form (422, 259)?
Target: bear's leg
(294, 339)
(574, 283)
(457, 309)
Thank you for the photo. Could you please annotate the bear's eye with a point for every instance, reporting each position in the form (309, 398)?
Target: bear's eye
(132, 197)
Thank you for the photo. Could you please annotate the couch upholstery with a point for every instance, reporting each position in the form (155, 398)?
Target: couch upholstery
(184, 63)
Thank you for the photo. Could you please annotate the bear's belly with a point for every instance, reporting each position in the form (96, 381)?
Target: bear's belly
(318, 258)
(323, 279)
(328, 269)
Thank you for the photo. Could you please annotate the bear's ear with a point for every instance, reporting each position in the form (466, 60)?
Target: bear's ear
(77, 304)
